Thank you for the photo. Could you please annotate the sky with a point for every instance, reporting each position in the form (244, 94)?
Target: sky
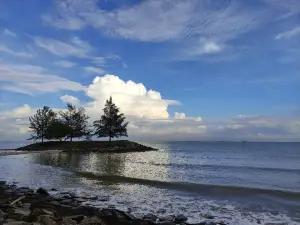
(211, 70)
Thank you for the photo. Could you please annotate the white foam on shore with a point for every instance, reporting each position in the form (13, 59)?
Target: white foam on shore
(157, 201)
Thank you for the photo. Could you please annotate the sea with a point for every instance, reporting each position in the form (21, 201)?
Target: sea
(239, 183)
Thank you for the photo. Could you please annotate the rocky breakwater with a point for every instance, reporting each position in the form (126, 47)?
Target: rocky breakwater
(24, 206)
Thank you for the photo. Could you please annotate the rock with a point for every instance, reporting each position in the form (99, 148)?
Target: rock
(2, 183)
(22, 211)
(13, 222)
(180, 218)
(42, 191)
(33, 216)
(166, 223)
(66, 201)
(77, 218)
(167, 218)
(47, 212)
(2, 214)
(26, 205)
(161, 211)
(92, 221)
(111, 206)
(68, 221)
(207, 216)
(53, 189)
(150, 217)
(25, 190)
(46, 220)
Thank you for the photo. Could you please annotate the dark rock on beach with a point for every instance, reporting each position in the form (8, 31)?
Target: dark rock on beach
(26, 207)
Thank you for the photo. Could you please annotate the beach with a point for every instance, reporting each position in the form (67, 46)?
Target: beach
(234, 183)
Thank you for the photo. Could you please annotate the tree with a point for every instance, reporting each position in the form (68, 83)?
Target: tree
(112, 123)
(77, 120)
(40, 122)
(58, 130)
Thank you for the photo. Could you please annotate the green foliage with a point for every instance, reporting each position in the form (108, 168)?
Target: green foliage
(40, 122)
(58, 130)
(77, 120)
(112, 123)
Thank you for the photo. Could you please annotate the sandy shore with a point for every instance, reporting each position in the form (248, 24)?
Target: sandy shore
(14, 152)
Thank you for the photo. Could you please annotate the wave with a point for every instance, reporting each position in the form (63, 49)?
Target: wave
(193, 187)
(199, 166)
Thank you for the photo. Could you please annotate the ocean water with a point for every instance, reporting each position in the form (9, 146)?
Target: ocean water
(238, 183)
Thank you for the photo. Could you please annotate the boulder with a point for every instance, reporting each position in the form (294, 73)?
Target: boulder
(92, 221)
(180, 218)
(42, 191)
(150, 217)
(46, 220)
(68, 221)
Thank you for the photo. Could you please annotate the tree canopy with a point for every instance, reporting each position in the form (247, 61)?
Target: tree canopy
(77, 120)
(112, 123)
(73, 123)
(40, 122)
(58, 130)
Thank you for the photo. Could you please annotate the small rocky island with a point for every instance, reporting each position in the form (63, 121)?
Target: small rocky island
(120, 146)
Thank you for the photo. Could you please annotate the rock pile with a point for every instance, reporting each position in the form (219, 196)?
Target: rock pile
(24, 206)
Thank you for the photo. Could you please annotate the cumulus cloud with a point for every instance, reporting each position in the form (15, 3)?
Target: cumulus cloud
(29, 82)
(288, 34)
(9, 51)
(133, 98)
(70, 99)
(76, 47)
(91, 69)
(65, 63)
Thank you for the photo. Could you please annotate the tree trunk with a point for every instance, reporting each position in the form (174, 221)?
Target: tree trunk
(71, 138)
(42, 139)
(109, 140)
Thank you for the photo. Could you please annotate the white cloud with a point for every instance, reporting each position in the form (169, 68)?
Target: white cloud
(76, 47)
(159, 20)
(70, 99)
(288, 34)
(27, 68)
(7, 50)
(66, 64)
(178, 115)
(28, 82)
(91, 69)
(201, 47)
(133, 98)
(9, 33)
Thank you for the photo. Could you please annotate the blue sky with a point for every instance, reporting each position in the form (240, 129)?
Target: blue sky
(188, 69)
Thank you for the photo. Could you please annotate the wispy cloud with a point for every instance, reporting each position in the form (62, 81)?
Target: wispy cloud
(169, 20)
(8, 33)
(91, 69)
(30, 82)
(65, 63)
(288, 34)
(9, 51)
(76, 47)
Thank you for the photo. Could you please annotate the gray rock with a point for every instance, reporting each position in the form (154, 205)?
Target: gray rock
(26, 205)
(92, 221)
(150, 217)
(42, 191)
(22, 211)
(46, 220)
(180, 218)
